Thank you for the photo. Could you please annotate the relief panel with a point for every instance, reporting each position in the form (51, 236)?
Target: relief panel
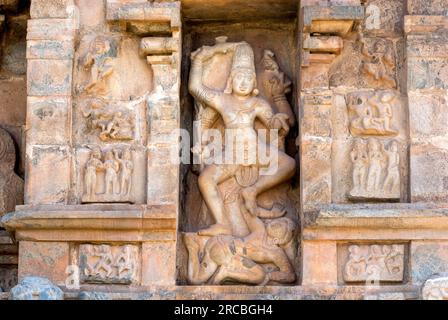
(106, 264)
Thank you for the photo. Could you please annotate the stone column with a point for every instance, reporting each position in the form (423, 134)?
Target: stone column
(427, 66)
(50, 52)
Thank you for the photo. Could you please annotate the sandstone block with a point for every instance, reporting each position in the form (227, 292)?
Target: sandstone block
(50, 29)
(427, 259)
(427, 73)
(158, 263)
(41, 9)
(48, 121)
(428, 115)
(422, 7)
(44, 259)
(49, 77)
(320, 263)
(48, 169)
(429, 173)
(316, 170)
(50, 49)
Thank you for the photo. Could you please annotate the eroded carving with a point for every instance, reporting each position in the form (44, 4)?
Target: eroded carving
(375, 263)
(11, 185)
(373, 113)
(99, 63)
(240, 247)
(376, 169)
(436, 288)
(111, 123)
(108, 176)
(108, 264)
(378, 62)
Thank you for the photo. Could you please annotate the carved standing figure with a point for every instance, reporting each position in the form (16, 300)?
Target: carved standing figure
(238, 107)
(99, 62)
(360, 166)
(92, 167)
(392, 181)
(127, 168)
(112, 167)
(375, 158)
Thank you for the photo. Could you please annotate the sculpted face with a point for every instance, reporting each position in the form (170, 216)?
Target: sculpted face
(243, 83)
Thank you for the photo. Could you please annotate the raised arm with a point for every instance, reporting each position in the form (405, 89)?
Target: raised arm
(211, 98)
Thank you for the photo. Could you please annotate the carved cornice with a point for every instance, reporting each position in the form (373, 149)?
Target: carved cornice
(118, 223)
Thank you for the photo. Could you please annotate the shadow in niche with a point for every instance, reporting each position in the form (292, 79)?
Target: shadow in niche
(279, 37)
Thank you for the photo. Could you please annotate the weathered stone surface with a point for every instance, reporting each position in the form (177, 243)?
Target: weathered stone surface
(49, 77)
(43, 164)
(48, 120)
(436, 288)
(42, 9)
(44, 259)
(36, 288)
(158, 263)
(321, 263)
(427, 259)
(426, 183)
(422, 7)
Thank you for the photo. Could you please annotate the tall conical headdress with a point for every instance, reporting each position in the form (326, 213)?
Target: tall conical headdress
(243, 58)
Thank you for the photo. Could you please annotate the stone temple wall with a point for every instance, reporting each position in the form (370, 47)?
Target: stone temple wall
(122, 201)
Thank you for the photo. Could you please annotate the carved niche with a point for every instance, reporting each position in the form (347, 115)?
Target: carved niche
(375, 263)
(372, 113)
(109, 264)
(252, 241)
(375, 170)
(11, 185)
(108, 176)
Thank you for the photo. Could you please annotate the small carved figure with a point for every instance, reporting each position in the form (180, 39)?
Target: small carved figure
(112, 124)
(392, 182)
(375, 263)
(375, 169)
(394, 260)
(357, 263)
(92, 167)
(127, 166)
(109, 180)
(379, 61)
(103, 266)
(100, 64)
(360, 167)
(373, 116)
(112, 167)
(108, 264)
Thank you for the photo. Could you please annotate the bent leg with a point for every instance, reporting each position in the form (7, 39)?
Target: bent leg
(285, 171)
(208, 182)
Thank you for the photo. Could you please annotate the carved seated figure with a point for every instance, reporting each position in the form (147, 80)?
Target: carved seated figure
(373, 115)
